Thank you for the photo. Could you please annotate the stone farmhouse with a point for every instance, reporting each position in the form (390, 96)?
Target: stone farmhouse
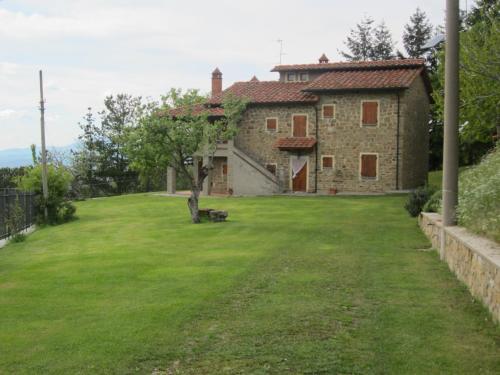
(326, 128)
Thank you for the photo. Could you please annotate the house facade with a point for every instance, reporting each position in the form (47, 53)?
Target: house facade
(323, 128)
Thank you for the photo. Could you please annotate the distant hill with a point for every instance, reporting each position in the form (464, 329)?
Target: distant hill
(18, 157)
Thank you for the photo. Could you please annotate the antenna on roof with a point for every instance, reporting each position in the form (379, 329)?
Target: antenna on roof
(280, 41)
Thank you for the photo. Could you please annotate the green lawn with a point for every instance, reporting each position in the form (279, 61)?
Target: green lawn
(316, 285)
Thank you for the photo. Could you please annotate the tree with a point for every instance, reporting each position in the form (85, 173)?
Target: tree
(173, 132)
(360, 41)
(101, 160)
(479, 87)
(383, 46)
(59, 182)
(483, 10)
(416, 33)
(120, 115)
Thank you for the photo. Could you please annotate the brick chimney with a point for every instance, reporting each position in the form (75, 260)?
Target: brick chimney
(216, 82)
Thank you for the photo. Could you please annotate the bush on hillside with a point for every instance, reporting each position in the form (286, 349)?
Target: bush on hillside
(417, 199)
(479, 197)
(59, 181)
(434, 202)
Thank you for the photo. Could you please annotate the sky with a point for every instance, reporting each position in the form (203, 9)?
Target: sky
(89, 49)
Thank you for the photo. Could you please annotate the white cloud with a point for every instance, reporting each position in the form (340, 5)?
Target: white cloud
(8, 113)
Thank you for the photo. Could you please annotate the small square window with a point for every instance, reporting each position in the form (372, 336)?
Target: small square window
(328, 111)
(327, 162)
(271, 124)
(291, 77)
(304, 77)
(271, 167)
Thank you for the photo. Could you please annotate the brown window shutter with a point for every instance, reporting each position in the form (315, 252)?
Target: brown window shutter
(224, 169)
(370, 113)
(271, 124)
(299, 126)
(369, 166)
(328, 111)
(327, 162)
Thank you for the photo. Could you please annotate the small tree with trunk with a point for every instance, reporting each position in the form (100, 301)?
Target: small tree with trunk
(176, 130)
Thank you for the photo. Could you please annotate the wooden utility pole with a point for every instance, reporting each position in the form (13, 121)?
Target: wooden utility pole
(45, 187)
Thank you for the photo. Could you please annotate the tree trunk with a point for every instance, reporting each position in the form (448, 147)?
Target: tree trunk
(193, 206)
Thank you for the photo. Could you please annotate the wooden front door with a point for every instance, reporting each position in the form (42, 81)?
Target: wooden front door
(299, 183)
(299, 124)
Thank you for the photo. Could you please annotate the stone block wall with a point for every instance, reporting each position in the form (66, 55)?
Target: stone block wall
(345, 139)
(219, 180)
(254, 140)
(474, 260)
(414, 135)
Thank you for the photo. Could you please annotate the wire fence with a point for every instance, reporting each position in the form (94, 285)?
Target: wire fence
(9, 198)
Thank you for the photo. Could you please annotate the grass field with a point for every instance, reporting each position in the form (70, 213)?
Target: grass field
(315, 285)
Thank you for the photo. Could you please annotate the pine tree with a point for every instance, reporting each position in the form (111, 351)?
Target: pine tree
(416, 33)
(383, 46)
(360, 41)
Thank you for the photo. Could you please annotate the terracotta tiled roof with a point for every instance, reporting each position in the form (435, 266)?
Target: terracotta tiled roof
(197, 109)
(353, 65)
(295, 143)
(268, 92)
(364, 79)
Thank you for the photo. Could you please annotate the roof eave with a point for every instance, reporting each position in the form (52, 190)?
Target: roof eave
(323, 90)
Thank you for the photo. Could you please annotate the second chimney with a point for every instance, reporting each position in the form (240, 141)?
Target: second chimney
(216, 82)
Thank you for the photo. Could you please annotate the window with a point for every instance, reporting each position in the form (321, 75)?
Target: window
(299, 126)
(369, 166)
(272, 124)
(369, 113)
(328, 111)
(224, 169)
(304, 77)
(271, 167)
(291, 77)
(327, 162)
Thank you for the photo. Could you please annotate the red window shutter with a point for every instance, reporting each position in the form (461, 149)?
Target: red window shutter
(328, 111)
(271, 124)
(299, 126)
(370, 113)
(327, 162)
(369, 166)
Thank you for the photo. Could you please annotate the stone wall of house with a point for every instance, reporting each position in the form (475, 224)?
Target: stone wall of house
(474, 260)
(254, 140)
(345, 139)
(219, 180)
(414, 135)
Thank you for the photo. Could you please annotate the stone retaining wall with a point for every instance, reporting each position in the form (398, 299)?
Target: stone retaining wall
(473, 259)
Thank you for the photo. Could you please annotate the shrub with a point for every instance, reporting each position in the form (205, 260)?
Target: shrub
(59, 182)
(66, 212)
(434, 202)
(479, 197)
(417, 199)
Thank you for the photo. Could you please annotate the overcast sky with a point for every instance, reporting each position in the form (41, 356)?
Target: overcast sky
(92, 48)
